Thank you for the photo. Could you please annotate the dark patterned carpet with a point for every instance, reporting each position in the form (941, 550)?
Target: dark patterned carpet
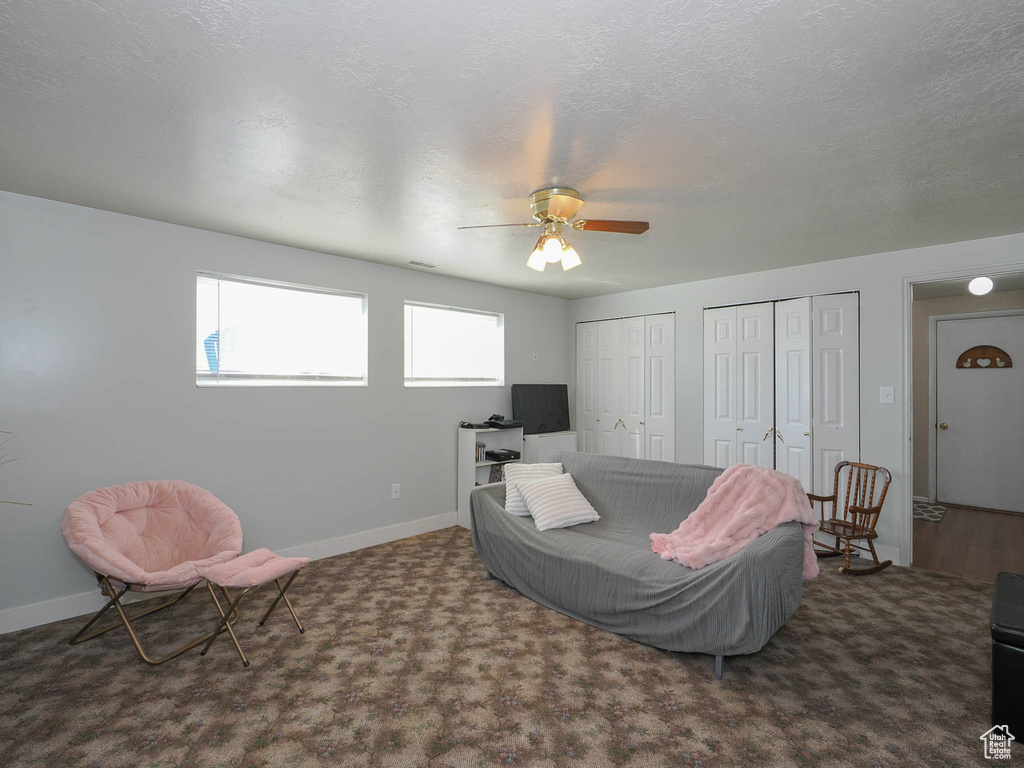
(412, 658)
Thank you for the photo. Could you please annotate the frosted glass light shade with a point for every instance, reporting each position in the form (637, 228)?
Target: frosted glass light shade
(570, 258)
(552, 250)
(537, 260)
(979, 286)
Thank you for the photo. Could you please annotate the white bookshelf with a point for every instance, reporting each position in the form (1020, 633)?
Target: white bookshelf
(472, 472)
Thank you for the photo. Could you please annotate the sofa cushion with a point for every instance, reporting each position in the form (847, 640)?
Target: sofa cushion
(515, 473)
(556, 502)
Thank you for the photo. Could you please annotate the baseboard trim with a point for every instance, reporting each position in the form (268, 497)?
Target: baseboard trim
(58, 609)
(318, 550)
(888, 553)
(921, 498)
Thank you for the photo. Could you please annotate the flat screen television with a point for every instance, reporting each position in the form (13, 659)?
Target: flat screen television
(541, 407)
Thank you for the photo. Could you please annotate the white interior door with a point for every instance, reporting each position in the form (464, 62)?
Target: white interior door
(632, 409)
(793, 389)
(660, 369)
(978, 453)
(586, 387)
(755, 391)
(720, 387)
(609, 387)
(835, 377)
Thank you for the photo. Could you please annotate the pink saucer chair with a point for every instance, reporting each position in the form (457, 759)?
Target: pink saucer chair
(150, 537)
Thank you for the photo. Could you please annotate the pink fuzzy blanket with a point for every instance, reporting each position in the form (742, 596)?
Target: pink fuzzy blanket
(741, 504)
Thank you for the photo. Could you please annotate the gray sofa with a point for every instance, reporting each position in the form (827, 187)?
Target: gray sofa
(606, 574)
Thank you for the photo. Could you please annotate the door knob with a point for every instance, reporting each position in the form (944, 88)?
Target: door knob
(739, 429)
(943, 426)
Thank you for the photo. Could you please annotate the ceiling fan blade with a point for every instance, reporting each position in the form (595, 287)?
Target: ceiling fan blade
(563, 206)
(488, 226)
(607, 225)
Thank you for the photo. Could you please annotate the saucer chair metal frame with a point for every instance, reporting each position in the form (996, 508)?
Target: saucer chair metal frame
(109, 590)
(105, 528)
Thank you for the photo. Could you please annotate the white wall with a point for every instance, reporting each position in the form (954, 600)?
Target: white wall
(97, 385)
(880, 280)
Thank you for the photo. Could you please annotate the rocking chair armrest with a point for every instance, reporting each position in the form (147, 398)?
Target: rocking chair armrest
(855, 510)
(813, 497)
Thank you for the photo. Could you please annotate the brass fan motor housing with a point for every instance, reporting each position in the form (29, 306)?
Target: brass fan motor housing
(555, 204)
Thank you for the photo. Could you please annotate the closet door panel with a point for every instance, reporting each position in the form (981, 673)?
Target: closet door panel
(793, 389)
(586, 387)
(632, 408)
(755, 396)
(660, 402)
(836, 379)
(610, 356)
(720, 421)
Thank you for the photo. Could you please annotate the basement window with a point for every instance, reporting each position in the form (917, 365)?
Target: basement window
(259, 333)
(453, 347)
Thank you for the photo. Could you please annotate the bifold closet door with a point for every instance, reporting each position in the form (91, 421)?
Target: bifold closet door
(625, 387)
(793, 436)
(738, 391)
(586, 387)
(788, 370)
(835, 374)
(659, 424)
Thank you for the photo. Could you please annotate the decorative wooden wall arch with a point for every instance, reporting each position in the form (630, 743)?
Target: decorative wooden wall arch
(984, 356)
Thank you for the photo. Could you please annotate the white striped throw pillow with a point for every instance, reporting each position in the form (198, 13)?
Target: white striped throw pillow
(556, 502)
(516, 473)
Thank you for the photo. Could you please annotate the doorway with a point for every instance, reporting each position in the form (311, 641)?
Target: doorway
(979, 406)
(953, 473)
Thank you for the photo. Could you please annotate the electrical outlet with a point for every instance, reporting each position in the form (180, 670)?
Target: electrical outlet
(535, 357)
(396, 491)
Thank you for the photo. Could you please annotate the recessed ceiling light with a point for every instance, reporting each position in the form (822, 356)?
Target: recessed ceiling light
(979, 286)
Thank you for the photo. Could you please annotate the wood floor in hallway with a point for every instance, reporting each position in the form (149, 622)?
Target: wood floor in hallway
(971, 544)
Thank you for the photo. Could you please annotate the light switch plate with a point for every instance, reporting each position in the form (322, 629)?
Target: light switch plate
(886, 395)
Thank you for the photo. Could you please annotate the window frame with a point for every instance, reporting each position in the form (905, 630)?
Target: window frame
(454, 381)
(219, 379)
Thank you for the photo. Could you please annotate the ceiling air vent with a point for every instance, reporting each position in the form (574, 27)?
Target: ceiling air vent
(422, 264)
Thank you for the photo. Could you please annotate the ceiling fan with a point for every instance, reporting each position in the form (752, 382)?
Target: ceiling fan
(553, 208)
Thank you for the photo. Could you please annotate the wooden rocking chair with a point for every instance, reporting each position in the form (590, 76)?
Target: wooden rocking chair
(855, 520)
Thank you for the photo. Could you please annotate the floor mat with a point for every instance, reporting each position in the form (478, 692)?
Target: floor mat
(924, 510)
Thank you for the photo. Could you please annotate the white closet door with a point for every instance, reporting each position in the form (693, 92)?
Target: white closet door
(610, 379)
(660, 420)
(755, 391)
(720, 387)
(836, 378)
(633, 393)
(586, 387)
(793, 389)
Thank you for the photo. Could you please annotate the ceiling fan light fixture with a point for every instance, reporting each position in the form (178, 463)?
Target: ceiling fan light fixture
(537, 260)
(552, 249)
(979, 286)
(570, 258)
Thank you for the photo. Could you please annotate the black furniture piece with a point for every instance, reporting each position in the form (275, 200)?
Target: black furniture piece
(1007, 622)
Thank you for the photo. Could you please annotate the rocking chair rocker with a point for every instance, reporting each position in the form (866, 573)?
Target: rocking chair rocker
(855, 521)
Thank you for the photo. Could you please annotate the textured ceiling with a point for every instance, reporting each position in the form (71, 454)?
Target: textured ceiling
(751, 134)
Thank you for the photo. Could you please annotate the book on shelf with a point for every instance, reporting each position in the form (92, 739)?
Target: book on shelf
(481, 449)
